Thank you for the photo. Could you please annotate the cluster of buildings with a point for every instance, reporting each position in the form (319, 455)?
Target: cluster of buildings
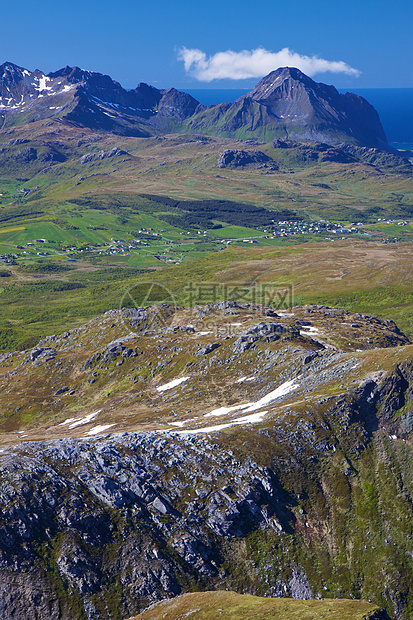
(286, 228)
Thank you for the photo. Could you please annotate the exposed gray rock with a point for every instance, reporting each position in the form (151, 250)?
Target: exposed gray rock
(299, 586)
(93, 157)
(268, 332)
(71, 491)
(208, 348)
(238, 158)
(42, 353)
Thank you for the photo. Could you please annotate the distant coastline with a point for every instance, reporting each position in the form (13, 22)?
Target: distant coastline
(394, 105)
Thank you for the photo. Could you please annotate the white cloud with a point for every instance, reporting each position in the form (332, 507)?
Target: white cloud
(255, 63)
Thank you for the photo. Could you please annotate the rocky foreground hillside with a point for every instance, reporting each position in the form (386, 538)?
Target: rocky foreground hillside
(249, 450)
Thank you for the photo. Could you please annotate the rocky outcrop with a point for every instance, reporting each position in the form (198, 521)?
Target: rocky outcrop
(267, 332)
(240, 159)
(284, 472)
(42, 353)
(177, 105)
(209, 348)
(93, 157)
(74, 512)
(343, 154)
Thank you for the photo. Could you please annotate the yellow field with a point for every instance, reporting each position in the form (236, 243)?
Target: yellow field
(6, 230)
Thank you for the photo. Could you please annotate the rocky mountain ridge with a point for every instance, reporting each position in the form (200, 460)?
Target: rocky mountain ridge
(284, 104)
(88, 99)
(116, 363)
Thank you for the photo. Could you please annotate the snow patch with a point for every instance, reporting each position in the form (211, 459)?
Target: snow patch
(254, 417)
(248, 419)
(88, 418)
(171, 384)
(43, 83)
(282, 390)
(99, 429)
(308, 329)
(206, 429)
(68, 421)
(225, 410)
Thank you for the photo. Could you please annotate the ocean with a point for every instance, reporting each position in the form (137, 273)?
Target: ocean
(394, 105)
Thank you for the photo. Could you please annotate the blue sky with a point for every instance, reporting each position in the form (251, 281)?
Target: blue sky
(135, 41)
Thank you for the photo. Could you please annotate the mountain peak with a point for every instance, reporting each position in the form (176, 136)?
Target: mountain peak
(11, 73)
(72, 74)
(292, 104)
(10, 67)
(285, 72)
(287, 78)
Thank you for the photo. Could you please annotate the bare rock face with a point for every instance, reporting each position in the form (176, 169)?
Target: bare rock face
(177, 105)
(102, 528)
(266, 332)
(91, 100)
(344, 153)
(90, 510)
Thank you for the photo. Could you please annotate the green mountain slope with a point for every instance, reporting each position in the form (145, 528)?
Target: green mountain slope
(232, 606)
